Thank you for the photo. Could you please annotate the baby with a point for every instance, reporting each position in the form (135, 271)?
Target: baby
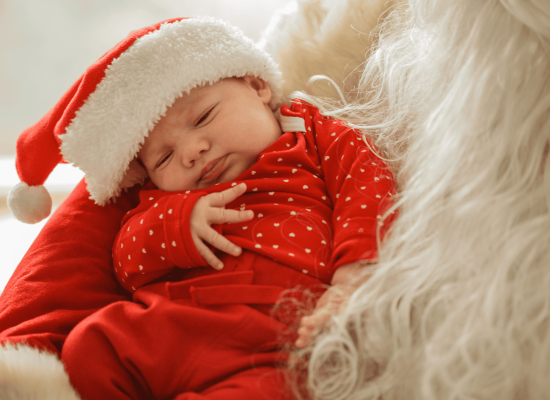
(245, 200)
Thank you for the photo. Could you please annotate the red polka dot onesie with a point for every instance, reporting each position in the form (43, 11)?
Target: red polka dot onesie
(317, 198)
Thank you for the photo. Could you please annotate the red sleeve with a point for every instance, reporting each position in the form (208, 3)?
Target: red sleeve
(359, 184)
(155, 238)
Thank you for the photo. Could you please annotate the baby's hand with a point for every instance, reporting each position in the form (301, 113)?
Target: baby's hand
(345, 281)
(210, 209)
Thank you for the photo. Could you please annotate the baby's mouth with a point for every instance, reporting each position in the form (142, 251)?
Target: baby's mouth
(213, 169)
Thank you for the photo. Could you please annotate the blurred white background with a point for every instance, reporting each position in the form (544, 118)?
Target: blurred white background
(45, 45)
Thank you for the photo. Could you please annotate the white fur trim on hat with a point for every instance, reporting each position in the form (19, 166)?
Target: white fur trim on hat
(29, 204)
(32, 374)
(143, 82)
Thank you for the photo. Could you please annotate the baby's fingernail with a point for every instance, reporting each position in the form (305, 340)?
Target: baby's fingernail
(219, 265)
(237, 251)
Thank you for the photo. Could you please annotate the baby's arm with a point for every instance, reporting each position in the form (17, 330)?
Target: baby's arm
(360, 186)
(166, 231)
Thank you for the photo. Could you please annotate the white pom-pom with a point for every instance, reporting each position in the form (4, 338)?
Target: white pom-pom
(29, 204)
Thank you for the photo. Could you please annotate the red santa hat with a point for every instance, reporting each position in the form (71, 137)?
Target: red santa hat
(101, 122)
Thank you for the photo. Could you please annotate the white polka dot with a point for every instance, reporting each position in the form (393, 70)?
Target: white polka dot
(345, 225)
(324, 222)
(351, 143)
(363, 187)
(275, 246)
(258, 246)
(299, 165)
(349, 176)
(287, 145)
(309, 228)
(305, 186)
(253, 172)
(129, 258)
(362, 170)
(304, 271)
(324, 197)
(163, 246)
(326, 158)
(144, 251)
(294, 170)
(234, 184)
(322, 264)
(276, 224)
(290, 199)
(307, 209)
(161, 216)
(308, 251)
(280, 159)
(333, 134)
(291, 255)
(286, 180)
(373, 163)
(162, 258)
(187, 191)
(141, 267)
(170, 211)
(348, 198)
(156, 205)
(126, 273)
(338, 219)
(271, 193)
(255, 189)
(121, 245)
(304, 110)
(141, 222)
(174, 243)
(315, 176)
(378, 196)
(260, 215)
(337, 195)
(242, 208)
(363, 206)
(150, 233)
(291, 234)
(245, 227)
(133, 288)
(274, 172)
(259, 235)
(150, 198)
(134, 238)
(119, 264)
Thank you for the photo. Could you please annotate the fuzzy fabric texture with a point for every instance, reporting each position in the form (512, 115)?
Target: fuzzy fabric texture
(28, 374)
(324, 37)
(29, 204)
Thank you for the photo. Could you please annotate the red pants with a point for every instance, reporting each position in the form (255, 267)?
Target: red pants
(211, 337)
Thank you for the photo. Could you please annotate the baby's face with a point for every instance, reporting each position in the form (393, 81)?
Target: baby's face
(211, 135)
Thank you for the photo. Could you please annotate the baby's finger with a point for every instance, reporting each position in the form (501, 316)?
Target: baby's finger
(220, 242)
(304, 337)
(209, 257)
(223, 216)
(227, 196)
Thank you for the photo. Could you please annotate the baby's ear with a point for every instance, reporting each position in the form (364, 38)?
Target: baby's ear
(260, 86)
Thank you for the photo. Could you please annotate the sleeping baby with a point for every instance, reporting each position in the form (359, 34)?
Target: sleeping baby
(243, 200)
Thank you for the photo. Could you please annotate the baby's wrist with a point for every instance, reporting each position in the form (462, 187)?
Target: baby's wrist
(352, 273)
